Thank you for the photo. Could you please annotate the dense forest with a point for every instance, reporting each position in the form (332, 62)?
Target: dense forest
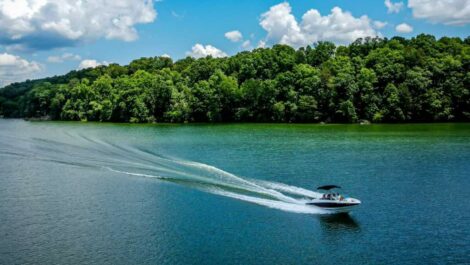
(379, 80)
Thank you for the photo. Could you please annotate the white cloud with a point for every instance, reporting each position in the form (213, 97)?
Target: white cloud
(404, 28)
(339, 26)
(449, 12)
(393, 7)
(200, 51)
(165, 55)
(90, 63)
(64, 57)
(15, 69)
(45, 24)
(261, 44)
(246, 45)
(234, 36)
(281, 25)
(379, 24)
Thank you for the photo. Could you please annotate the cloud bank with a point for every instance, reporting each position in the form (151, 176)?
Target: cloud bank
(339, 26)
(15, 69)
(200, 51)
(448, 12)
(234, 36)
(90, 63)
(393, 7)
(46, 24)
(404, 28)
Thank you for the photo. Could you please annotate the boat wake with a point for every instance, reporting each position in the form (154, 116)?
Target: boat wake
(265, 193)
(140, 162)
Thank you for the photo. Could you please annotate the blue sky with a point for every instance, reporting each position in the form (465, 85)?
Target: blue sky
(42, 37)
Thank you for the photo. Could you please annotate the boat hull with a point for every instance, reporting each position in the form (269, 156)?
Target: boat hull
(335, 206)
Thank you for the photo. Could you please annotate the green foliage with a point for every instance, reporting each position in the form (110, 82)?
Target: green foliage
(396, 80)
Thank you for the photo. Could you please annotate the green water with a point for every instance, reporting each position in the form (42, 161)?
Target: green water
(86, 193)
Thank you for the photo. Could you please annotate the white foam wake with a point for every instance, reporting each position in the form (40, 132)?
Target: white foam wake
(269, 194)
(133, 161)
(299, 207)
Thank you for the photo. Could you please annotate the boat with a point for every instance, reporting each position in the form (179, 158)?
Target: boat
(333, 201)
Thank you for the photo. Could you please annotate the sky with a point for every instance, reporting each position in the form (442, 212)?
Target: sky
(41, 38)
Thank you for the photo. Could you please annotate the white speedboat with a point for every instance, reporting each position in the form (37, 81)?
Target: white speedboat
(334, 202)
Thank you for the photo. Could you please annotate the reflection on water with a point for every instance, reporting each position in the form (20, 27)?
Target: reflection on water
(339, 222)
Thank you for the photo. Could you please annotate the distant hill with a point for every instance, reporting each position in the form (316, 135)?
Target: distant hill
(380, 80)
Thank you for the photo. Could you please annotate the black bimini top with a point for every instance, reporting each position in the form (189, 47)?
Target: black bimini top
(328, 187)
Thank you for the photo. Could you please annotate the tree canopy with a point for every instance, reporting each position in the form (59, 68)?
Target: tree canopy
(380, 80)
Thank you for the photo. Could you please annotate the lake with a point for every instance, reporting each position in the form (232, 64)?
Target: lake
(90, 193)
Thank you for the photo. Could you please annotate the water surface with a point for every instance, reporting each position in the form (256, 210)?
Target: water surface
(80, 193)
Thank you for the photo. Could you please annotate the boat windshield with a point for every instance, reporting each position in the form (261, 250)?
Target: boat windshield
(332, 196)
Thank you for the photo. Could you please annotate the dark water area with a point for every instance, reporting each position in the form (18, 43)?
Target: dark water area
(89, 193)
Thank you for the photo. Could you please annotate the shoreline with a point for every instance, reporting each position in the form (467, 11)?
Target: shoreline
(239, 122)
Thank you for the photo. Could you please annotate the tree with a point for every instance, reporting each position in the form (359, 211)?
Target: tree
(77, 106)
(393, 110)
(180, 110)
(135, 99)
(322, 52)
(367, 99)
(258, 99)
(344, 87)
(151, 64)
(388, 65)
(226, 90)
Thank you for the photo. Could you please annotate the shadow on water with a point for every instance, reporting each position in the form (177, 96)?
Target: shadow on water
(339, 222)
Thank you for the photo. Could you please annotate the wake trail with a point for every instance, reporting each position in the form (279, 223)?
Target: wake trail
(87, 151)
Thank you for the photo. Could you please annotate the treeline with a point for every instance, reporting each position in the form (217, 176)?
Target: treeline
(380, 80)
